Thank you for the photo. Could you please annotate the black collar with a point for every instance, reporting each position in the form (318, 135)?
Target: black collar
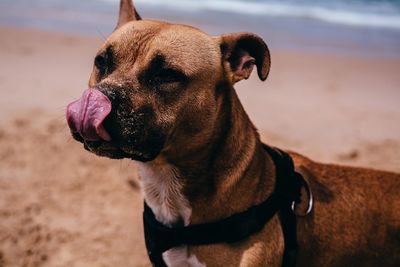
(160, 238)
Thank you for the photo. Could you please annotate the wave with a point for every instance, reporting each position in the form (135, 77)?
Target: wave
(322, 13)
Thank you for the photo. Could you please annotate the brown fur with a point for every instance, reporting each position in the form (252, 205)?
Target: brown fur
(217, 151)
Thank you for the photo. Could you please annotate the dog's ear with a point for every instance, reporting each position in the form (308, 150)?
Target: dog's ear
(127, 12)
(240, 52)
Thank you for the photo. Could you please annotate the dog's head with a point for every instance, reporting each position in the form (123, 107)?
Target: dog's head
(156, 86)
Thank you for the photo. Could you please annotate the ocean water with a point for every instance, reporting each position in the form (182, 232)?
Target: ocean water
(367, 27)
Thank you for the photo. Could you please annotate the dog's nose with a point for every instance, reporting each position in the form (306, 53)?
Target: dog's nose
(86, 115)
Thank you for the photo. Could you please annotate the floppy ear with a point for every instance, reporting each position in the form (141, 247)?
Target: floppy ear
(241, 51)
(127, 12)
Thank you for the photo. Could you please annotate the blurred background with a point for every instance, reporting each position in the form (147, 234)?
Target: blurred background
(333, 94)
(346, 26)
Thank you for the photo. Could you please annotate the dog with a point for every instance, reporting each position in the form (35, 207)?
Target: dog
(163, 95)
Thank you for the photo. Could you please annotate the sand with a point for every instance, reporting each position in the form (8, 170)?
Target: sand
(62, 206)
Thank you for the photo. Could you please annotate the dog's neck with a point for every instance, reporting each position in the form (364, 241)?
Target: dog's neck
(226, 176)
(162, 188)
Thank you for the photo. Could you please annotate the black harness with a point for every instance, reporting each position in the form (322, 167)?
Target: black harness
(160, 238)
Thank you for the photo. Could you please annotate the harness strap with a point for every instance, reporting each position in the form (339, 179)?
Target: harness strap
(160, 238)
(285, 168)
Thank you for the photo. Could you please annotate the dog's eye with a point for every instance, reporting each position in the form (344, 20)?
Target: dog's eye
(167, 76)
(100, 62)
(104, 62)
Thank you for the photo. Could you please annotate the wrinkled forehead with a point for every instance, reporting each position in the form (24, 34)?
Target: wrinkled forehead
(178, 45)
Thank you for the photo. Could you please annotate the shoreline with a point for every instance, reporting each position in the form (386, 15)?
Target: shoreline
(304, 32)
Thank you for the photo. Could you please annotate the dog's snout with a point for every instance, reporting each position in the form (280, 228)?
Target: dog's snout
(111, 94)
(116, 96)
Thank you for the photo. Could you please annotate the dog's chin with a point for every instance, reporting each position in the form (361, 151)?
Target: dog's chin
(104, 149)
(113, 151)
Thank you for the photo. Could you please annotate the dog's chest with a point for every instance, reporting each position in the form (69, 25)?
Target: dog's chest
(162, 191)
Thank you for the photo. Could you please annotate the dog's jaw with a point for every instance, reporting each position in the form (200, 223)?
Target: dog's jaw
(162, 190)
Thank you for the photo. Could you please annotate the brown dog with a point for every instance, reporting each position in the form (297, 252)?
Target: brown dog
(162, 94)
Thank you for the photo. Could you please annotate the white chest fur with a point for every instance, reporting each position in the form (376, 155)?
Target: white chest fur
(162, 191)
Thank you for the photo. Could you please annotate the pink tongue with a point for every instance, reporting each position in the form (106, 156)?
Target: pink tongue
(87, 114)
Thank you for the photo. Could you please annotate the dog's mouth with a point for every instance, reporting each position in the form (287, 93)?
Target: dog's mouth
(109, 129)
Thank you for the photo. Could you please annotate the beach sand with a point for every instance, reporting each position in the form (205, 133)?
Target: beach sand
(62, 206)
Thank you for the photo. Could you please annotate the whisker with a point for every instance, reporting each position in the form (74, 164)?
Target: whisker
(101, 34)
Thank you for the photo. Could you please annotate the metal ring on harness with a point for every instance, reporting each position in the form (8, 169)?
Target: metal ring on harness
(310, 202)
